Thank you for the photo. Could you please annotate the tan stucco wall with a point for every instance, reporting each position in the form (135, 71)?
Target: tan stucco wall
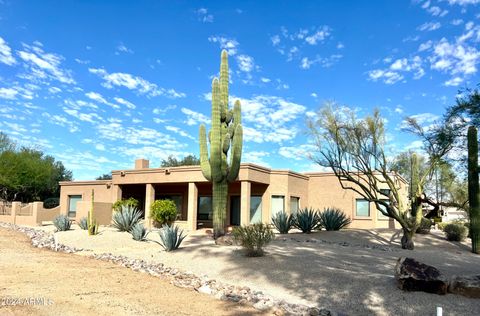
(103, 192)
(102, 211)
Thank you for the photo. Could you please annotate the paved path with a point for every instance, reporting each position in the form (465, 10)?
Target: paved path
(75, 285)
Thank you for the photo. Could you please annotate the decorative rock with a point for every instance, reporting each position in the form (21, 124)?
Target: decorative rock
(412, 275)
(468, 286)
(324, 312)
(312, 311)
(226, 240)
(263, 305)
(205, 289)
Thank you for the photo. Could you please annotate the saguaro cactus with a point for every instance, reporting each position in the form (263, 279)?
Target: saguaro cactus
(91, 221)
(226, 133)
(473, 188)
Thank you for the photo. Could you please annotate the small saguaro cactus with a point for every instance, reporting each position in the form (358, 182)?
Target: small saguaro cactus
(91, 221)
(473, 188)
(226, 134)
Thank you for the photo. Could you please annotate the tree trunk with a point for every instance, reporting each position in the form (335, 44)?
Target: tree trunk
(220, 194)
(407, 239)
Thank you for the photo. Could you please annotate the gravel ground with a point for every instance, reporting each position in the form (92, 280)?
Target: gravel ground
(73, 285)
(349, 272)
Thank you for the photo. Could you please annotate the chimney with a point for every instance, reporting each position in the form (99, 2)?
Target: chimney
(142, 164)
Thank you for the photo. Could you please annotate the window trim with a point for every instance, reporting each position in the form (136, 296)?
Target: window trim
(369, 216)
(69, 200)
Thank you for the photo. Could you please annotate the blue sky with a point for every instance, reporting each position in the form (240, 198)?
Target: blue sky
(98, 84)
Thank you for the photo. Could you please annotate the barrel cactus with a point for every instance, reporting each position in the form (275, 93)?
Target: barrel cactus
(473, 188)
(226, 135)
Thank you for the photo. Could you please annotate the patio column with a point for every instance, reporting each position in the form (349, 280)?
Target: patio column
(116, 193)
(149, 198)
(192, 206)
(245, 192)
(16, 206)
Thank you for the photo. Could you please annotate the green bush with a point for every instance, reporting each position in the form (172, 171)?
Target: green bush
(306, 220)
(139, 232)
(283, 222)
(83, 223)
(455, 232)
(253, 238)
(425, 226)
(441, 225)
(51, 202)
(62, 223)
(333, 219)
(171, 237)
(126, 218)
(163, 212)
(117, 206)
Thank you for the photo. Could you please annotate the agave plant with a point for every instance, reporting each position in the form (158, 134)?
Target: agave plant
(139, 232)
(306, 220)
(282, 222)
(171, 237)
(126, 218)
(83, 223)
(333, 219)
(62, 223)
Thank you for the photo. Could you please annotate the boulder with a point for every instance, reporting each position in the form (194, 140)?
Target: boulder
(468, 286)
(412, 275)
(226, 240)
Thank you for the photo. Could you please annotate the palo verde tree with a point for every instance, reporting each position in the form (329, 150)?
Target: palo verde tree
(171, 161)
(226, 133)
(355, 149)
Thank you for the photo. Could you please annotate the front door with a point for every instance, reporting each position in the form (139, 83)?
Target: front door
(235, 210)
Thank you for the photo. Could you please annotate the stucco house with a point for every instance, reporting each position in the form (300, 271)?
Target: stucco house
(257, 194)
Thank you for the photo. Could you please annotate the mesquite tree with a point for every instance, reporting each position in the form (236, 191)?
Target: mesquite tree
(226, 133)
(473, 188)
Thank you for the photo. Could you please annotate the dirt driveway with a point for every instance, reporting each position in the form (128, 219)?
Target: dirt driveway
(74, 285)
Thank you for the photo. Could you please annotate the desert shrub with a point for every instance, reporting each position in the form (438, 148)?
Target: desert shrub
(83, 223)
(126, 218)
(117, 206)
(171, 237)
(333, 219)
(425, 226)
(455, 232)
(139, 232)
(283, 222)
(51, 202)
(306, 220)
(441, 225)
(163, 212)
(62, 223)
(253, 238)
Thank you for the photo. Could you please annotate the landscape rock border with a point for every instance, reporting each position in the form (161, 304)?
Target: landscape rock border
(221, 291)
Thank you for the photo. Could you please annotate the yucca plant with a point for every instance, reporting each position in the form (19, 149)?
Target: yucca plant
(306, 220)
(253, 238)
(139, 232)
(282, 222)
(62, 223)
(83, 223)
(333, 219)
(126, 218)
(171, 237)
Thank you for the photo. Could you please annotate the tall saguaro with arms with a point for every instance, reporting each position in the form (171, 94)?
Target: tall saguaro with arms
(225, 135)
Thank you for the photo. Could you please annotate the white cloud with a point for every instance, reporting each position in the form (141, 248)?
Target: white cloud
(204, 16)
(429, 26)
(388, 77)
(256, 157)
(100, 147)
(44, 65)
(245, 63)
(300, 152)
(463, 2)
(121, 48)
(54, 90)
(100, 99)
(6, 53)
(275, 40)
(61, 120)
(230, 45)
(324, 62)
(195, 118)
(82, 61)
(318, 36)
(454, 82)
(128, 104)
(132, 82)
(8, 93)
(393, 73)
(265, 80)
(178, 131)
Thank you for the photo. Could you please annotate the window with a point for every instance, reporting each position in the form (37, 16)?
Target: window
(294, 204)
(278, 204)
(386, 192)
(72, 204)
(205, 208)
(255, 209)
(178, 199)
(380, 214)
(363, 208)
